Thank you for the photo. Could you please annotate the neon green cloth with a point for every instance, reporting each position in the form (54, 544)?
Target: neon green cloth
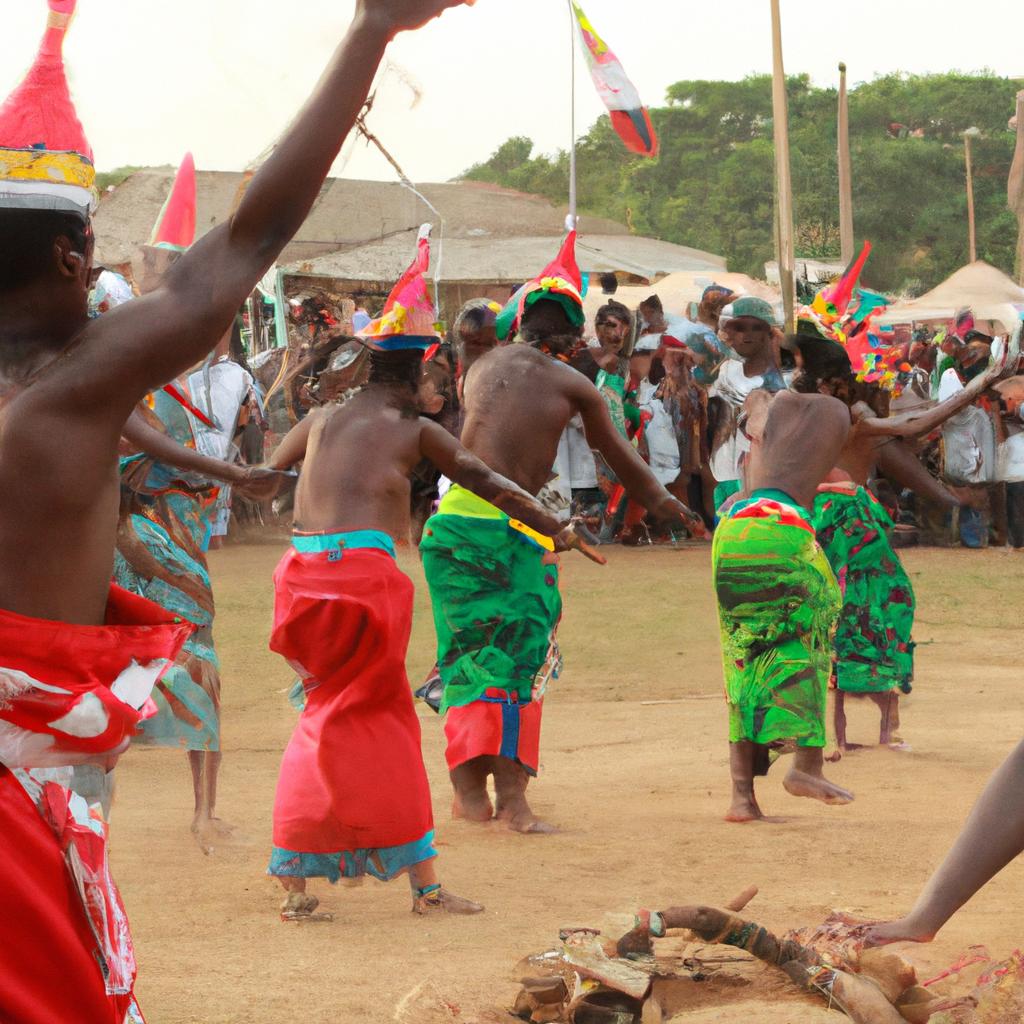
(777, 604)
(496, 604)
(874, 651)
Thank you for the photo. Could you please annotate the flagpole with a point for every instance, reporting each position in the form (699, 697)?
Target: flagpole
(784, 185)
(972, 234)
(846, 240)
(1015, 187)
(572, 117)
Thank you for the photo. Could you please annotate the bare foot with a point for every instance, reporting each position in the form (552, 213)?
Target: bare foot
(798, 783)
(300, 906)
(209, 832)
(528, 823)
(903, 930)
(441, 901)
(472, 807)
(744, 808)
(847, 747)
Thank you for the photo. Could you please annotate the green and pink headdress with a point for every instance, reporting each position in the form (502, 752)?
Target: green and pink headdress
(175, 227)
(409, 319)
(46, 162)
(560, 281)
(845, 313)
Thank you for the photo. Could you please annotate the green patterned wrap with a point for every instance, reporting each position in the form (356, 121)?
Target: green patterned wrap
(777, 604)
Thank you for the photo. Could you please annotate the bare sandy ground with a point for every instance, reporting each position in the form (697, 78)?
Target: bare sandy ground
(639, 790)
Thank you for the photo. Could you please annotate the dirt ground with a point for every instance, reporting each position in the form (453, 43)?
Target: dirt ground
(638, 788)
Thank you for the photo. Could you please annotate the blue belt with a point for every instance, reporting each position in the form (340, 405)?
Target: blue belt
(335, 543)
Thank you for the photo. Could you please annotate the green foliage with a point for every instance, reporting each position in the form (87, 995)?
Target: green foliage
(111, 179)
(712, 187)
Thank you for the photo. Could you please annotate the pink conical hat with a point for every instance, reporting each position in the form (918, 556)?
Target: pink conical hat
(409, 319)
(175, 228)
(46, 162)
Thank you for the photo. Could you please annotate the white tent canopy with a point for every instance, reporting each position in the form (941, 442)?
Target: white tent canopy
(988, 292)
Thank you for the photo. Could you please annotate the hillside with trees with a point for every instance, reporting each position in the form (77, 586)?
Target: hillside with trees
(712, 185)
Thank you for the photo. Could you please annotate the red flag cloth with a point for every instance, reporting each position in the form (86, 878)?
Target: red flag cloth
(352, 777)
(175, 227)
(50, 970)
(496, 727)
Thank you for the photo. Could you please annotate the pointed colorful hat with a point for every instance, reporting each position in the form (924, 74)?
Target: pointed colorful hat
(845, 313)
(560, 281)
(45, 159)
(409, 319)
(175, 228)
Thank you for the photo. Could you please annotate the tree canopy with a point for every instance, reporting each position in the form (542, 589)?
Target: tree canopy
(712, 186)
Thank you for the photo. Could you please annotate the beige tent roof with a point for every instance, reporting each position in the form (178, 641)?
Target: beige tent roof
(349, 213)
(986, 290)
(496, 260)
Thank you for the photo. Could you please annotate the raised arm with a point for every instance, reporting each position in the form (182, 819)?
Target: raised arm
(251, 481)
(159, 336)
(464, 468)
(918, 424)
(633, 473)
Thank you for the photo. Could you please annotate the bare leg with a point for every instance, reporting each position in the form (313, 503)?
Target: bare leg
(206, 826)
(741, 767)
(469, 780)
(991, 838)
(807, 778)
(841, 722)
(428, 897)
(510, 782)
(889, 708)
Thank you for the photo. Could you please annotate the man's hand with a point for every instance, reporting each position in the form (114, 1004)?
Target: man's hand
(672, 510)
(394, 16)
(571, 540)
(259, 484)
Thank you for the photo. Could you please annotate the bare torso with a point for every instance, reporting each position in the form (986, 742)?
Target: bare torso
(860, 452)
(518, 403)
(356, 473)
(58, 506)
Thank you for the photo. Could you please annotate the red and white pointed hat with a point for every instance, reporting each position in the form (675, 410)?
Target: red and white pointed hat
(46, 162)
(175, 228)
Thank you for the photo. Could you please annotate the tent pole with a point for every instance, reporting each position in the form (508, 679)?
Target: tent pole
(783, 180)
(571, 224)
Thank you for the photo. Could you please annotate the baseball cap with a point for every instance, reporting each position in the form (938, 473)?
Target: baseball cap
(750, 305)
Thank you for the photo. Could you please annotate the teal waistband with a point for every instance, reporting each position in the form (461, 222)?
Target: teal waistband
(353, 540)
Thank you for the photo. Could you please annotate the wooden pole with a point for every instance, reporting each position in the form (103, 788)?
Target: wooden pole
(846, 239)
(783, 180)
(573, 219)
(972, 238)
(1015, 187)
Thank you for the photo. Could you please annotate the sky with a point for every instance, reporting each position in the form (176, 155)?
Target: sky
(223, 77)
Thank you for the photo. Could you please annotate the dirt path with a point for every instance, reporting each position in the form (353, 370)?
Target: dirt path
(639, 790)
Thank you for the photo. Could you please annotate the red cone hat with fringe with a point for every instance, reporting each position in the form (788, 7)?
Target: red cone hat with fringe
(175, 228)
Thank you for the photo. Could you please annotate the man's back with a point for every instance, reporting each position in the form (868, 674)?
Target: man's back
(518, 403)
(356, 473)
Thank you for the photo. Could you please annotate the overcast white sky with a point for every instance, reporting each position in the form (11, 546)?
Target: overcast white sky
(223, 77)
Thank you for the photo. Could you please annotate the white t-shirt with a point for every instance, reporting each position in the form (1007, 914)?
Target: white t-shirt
(228, 386)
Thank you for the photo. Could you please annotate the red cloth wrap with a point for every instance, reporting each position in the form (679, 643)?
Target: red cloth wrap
(352, 776)
(50, 972)
(484, 729)
(83, 660)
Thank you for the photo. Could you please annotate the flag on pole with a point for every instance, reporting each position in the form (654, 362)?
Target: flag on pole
(630, 118)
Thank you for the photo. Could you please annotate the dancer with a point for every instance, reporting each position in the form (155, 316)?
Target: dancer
(874, 649)
(78, 658)
(494, 590)
(778, 599)
(353, 797)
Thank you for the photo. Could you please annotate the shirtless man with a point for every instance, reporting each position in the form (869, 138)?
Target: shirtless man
(873, 645)
(494, 589)
(67, 385)
(353, 796)
(778, 598)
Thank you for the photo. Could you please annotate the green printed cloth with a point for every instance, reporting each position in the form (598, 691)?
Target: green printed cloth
(496, 603)
(777, 605)
(874, 652)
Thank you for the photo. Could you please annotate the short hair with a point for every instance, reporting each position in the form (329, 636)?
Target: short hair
(653, 302)
(616, 310)
(609, 284)
(27, 238)
(562, 338)
(476, 315)
(400, 368)
(822, 360)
